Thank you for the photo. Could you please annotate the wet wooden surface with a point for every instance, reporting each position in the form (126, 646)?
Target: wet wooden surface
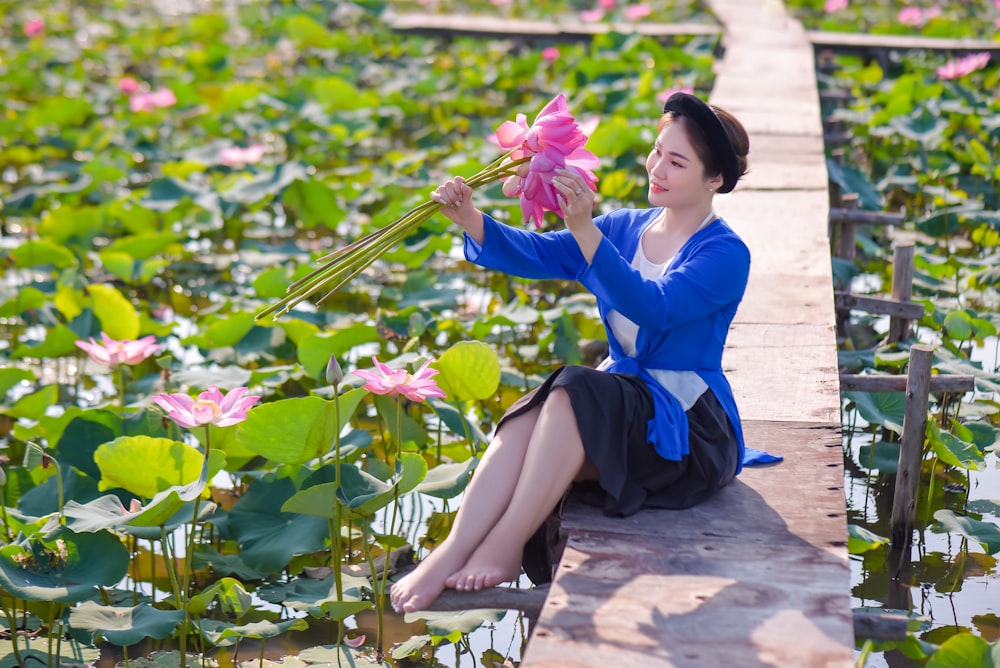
(758, 575)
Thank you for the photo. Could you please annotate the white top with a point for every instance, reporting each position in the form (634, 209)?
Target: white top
(685, 386)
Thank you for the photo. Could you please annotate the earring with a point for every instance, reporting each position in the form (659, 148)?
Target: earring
(711, 189)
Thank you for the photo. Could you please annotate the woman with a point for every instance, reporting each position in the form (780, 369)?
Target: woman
(655, 425)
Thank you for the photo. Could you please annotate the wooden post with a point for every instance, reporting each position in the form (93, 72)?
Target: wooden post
(902, 288)
(904, 500)
(845, 240)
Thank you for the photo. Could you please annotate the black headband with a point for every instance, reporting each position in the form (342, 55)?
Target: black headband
(689, 106)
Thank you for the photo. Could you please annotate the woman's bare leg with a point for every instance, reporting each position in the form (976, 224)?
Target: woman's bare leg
(554, 459)
(488, 494)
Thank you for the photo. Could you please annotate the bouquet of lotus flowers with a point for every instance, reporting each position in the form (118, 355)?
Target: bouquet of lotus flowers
(554, 141)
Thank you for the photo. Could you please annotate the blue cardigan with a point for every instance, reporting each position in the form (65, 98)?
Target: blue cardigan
(683, 316)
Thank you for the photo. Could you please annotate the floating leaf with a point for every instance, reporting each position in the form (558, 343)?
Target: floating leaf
(267, 537)
(223, 634)
(124, 626)
(882, 408)
(883, 456)
(146, 466)
(470, 371)
(297, 430)
(63, 566)
(446, 481)
(445, 623)
(965, 650)
(984, 533)
(118, 316)
(860, 539)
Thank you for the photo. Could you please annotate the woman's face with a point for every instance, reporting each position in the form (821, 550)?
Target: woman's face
(676, 173)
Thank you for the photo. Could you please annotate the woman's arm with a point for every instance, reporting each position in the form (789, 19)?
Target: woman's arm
(711, 275)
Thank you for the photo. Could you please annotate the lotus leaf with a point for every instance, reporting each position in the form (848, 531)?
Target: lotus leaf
(64, 566)
(446, 623)
(881, 408)
(319, 597)
(338, 655)
(222, 634)
(297, 430)
(267, 537)
(446, 481)
(69, 655)
(470, 371)
(986, 534)
(118, 316)
(234, 600)
(147, 466)
(124, 626)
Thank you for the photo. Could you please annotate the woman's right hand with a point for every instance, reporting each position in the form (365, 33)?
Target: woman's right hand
(455, 196)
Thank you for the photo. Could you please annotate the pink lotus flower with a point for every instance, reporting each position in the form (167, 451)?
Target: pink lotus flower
(914, 16)
(638, 11)
(592, 15)
(235, 156)
(128, 85)
(34, 28)
(415, 387)
(211, 407)
(959, 67)
(112, 353)
(607, 4)
(550, 54)
(554, 141)
(835, 5)
(358, 641)
(164, 97)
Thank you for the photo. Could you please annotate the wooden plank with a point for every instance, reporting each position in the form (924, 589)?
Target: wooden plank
(752, 577)
(878, 305)
(872, 383)
(843, 41)
(862, 217)
(499, 27)
(772, 291)
(780, 372)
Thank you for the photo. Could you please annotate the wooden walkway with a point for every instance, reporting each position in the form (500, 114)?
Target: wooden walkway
(759, 575)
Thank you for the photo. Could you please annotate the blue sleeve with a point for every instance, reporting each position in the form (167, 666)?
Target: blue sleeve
(708, 277)
(525, 253)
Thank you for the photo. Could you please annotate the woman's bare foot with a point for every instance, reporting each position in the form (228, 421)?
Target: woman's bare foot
(418, 589)
(491, 564)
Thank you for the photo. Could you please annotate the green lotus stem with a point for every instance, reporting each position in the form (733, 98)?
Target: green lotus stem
(51, 630)
(366, 549)
(59, 643)
(189, 556)
(171, 565)
(345, 263)
(380, 594)
(121, 397)
(12, 625)
(338, 581)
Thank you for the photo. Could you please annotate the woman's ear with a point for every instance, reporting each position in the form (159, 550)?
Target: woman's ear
(714, 183)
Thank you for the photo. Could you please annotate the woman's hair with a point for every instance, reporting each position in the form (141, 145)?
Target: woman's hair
(736, 133)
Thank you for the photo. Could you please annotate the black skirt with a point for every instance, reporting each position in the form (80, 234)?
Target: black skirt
(612, 410)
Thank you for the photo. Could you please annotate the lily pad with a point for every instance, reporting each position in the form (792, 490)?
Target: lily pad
(64, 566)
(124, 626)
